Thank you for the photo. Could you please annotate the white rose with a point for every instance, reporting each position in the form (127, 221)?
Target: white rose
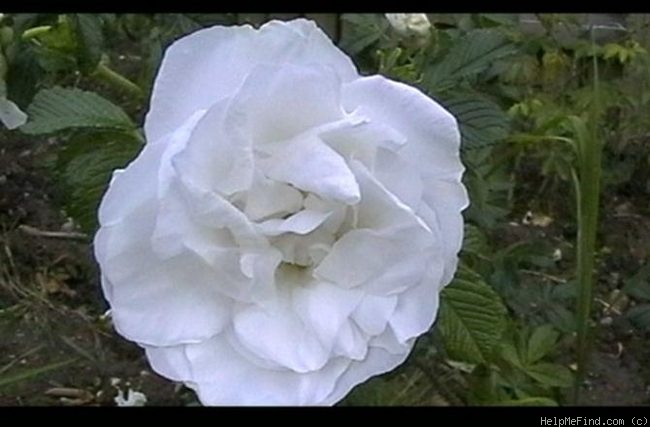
(410, 24)
(284, 234)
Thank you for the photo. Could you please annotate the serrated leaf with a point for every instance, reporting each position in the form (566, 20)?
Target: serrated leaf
(541, 342)
(361, 31)
(471, 55)
(551, 374)
(474, 241)
(509, 353)
(472, 318)
(60, 108)
(90, 40)
(84, 167)
(482, 122)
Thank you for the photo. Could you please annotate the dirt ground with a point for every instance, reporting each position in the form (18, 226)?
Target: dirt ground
(56, 349)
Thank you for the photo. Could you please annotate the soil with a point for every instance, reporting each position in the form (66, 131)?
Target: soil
(50, 302)
(57, 349)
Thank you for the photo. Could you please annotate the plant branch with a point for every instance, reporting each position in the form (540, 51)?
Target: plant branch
(117, 80)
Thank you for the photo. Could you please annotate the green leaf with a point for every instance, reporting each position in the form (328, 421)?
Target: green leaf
(638, 285)
(530, 401)
(361, 30)
(27, 374)
(551, 374)
(541, 342)
(640, 316)
(24, 75)
(482, 385)
(84, 167)
(509, 353)
(175, 25)
(60, 108)
(482, 122)
(472, 318)
(474, 241)
(471, 55)
(90, 40)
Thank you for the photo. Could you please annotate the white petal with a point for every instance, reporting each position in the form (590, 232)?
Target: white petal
(120, 199)
(380, 208)
(351, 342)
(219, 154)
(374, 312)
(280, 335)
(211, 64)
(222, 376)
(432, 134)
(301, 249)
(150, 173)
(399, 178)
(122, 249)
(302, 222)
(311, 165)
(10, 115)
(283, 101)
(171, 303)
(267, 197)
(356, 131)
(336, 212)
(170, 362)
(389, 253)
(447, 198)
(384, 263)
(260, 268)
(212, 210)
(376, 362)
(389, 342)
(324, 308)
(415, 311)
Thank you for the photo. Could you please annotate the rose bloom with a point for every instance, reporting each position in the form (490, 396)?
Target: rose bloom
(285, 233)
(410, 24)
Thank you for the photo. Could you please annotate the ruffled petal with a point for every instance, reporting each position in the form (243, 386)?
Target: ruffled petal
(222, 377)
(302, 222)
(311, 165)
(415, 311)
(211, 64)
(432, 134)
(279, 335)
(376, 362)
(219, 154)
(373, 313)
(171, 303)
(324, 308)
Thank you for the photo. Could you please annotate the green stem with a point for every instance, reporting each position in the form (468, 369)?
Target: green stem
(35, 32)
(588, 201)
(119, 81)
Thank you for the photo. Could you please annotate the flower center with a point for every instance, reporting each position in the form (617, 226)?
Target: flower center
(293, 274)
